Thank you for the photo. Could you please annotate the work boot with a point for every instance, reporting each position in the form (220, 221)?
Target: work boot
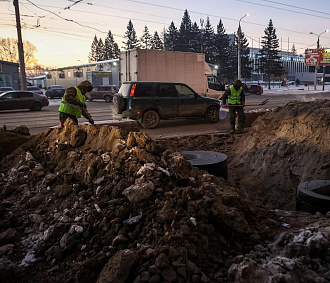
(241, 129)
(232, 131)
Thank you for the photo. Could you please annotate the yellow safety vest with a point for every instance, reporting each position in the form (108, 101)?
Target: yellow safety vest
(235, 96)
(72, 109)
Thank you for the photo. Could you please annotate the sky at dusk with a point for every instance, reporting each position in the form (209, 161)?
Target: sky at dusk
(63, 30)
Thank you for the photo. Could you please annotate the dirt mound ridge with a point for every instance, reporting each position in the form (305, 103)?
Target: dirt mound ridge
(87, 204)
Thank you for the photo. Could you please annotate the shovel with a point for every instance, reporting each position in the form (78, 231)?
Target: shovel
(223, 111)
(261, 103)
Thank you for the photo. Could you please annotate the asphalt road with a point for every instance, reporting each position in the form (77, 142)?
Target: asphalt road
(39, 121)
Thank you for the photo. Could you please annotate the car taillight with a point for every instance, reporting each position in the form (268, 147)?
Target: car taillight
(132, 90)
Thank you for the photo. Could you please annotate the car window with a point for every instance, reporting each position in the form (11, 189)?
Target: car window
(124, 89)
(6, 89)
(143, 90)
(184, 91)
(9, 95)
(166, 90)
(25, 94)
(32, 88)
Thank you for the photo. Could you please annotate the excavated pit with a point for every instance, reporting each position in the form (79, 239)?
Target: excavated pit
(99, 204)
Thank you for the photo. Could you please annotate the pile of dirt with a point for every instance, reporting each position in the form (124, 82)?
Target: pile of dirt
(99, 204)
(283, 148)
(12, 139)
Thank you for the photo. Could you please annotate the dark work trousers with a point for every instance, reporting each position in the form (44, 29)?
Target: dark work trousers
(232, 116)
(64, 116)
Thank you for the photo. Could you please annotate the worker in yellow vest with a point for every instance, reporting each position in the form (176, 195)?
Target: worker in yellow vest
(73, 103)
(234, 98)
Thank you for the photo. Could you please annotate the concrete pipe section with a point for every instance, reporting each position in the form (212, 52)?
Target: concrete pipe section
(314, 196)
(213, 162)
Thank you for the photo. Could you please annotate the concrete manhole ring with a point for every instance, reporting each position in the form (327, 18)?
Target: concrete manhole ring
(213, 162)
(314, 196)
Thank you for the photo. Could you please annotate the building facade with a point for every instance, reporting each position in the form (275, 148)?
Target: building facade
(9, 74)
(98, 73)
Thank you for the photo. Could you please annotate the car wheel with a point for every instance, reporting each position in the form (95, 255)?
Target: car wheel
(118, 103)
(258, 92)
(150, 119)
(212, 114)
(36, 106)
(107, 98)
(90, 99)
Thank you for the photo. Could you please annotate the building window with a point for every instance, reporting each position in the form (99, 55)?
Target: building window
(7, 81)
(49, 76)
(61, 75)
(78, 73)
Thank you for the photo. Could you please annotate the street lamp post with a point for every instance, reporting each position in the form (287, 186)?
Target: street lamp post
(316, 67)
(239, 46)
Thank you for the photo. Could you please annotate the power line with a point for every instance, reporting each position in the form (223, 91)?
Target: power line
(296, 7)
(63, 17)
(282, 9)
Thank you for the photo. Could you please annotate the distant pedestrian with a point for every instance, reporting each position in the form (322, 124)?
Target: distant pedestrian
(236, 101)
(73, 103)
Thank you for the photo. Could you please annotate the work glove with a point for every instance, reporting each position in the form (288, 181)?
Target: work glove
(81, 104)
(225, 105)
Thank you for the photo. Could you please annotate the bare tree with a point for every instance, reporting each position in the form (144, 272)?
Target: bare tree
(9, 51)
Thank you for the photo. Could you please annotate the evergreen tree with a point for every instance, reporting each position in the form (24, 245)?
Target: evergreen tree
(156, 43)
(222, 51)
(246, 67)
(146, 39)
(100, 51)
(132, 41)
(185, 33)
(208, 42)
(111, 48)
(231, 73)
(171, 37)
(92, 57)
(294, 50)
(269, 61)
(195, 41)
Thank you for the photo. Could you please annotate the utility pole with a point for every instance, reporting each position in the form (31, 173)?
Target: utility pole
(316, 67)
(239, 36)
(20, 47)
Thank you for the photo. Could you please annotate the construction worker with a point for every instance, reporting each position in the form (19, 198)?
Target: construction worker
(234, 98)
(73, 103)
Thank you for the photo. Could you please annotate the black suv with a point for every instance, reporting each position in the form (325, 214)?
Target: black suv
(148, 102)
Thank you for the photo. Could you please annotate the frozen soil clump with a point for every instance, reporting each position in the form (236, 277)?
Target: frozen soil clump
(99, 204)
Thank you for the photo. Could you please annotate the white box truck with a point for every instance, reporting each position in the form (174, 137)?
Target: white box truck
(171, 66)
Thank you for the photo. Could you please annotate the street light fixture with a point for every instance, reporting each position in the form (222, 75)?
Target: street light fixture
(316, 67)
(239, 46)
(318, 37)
